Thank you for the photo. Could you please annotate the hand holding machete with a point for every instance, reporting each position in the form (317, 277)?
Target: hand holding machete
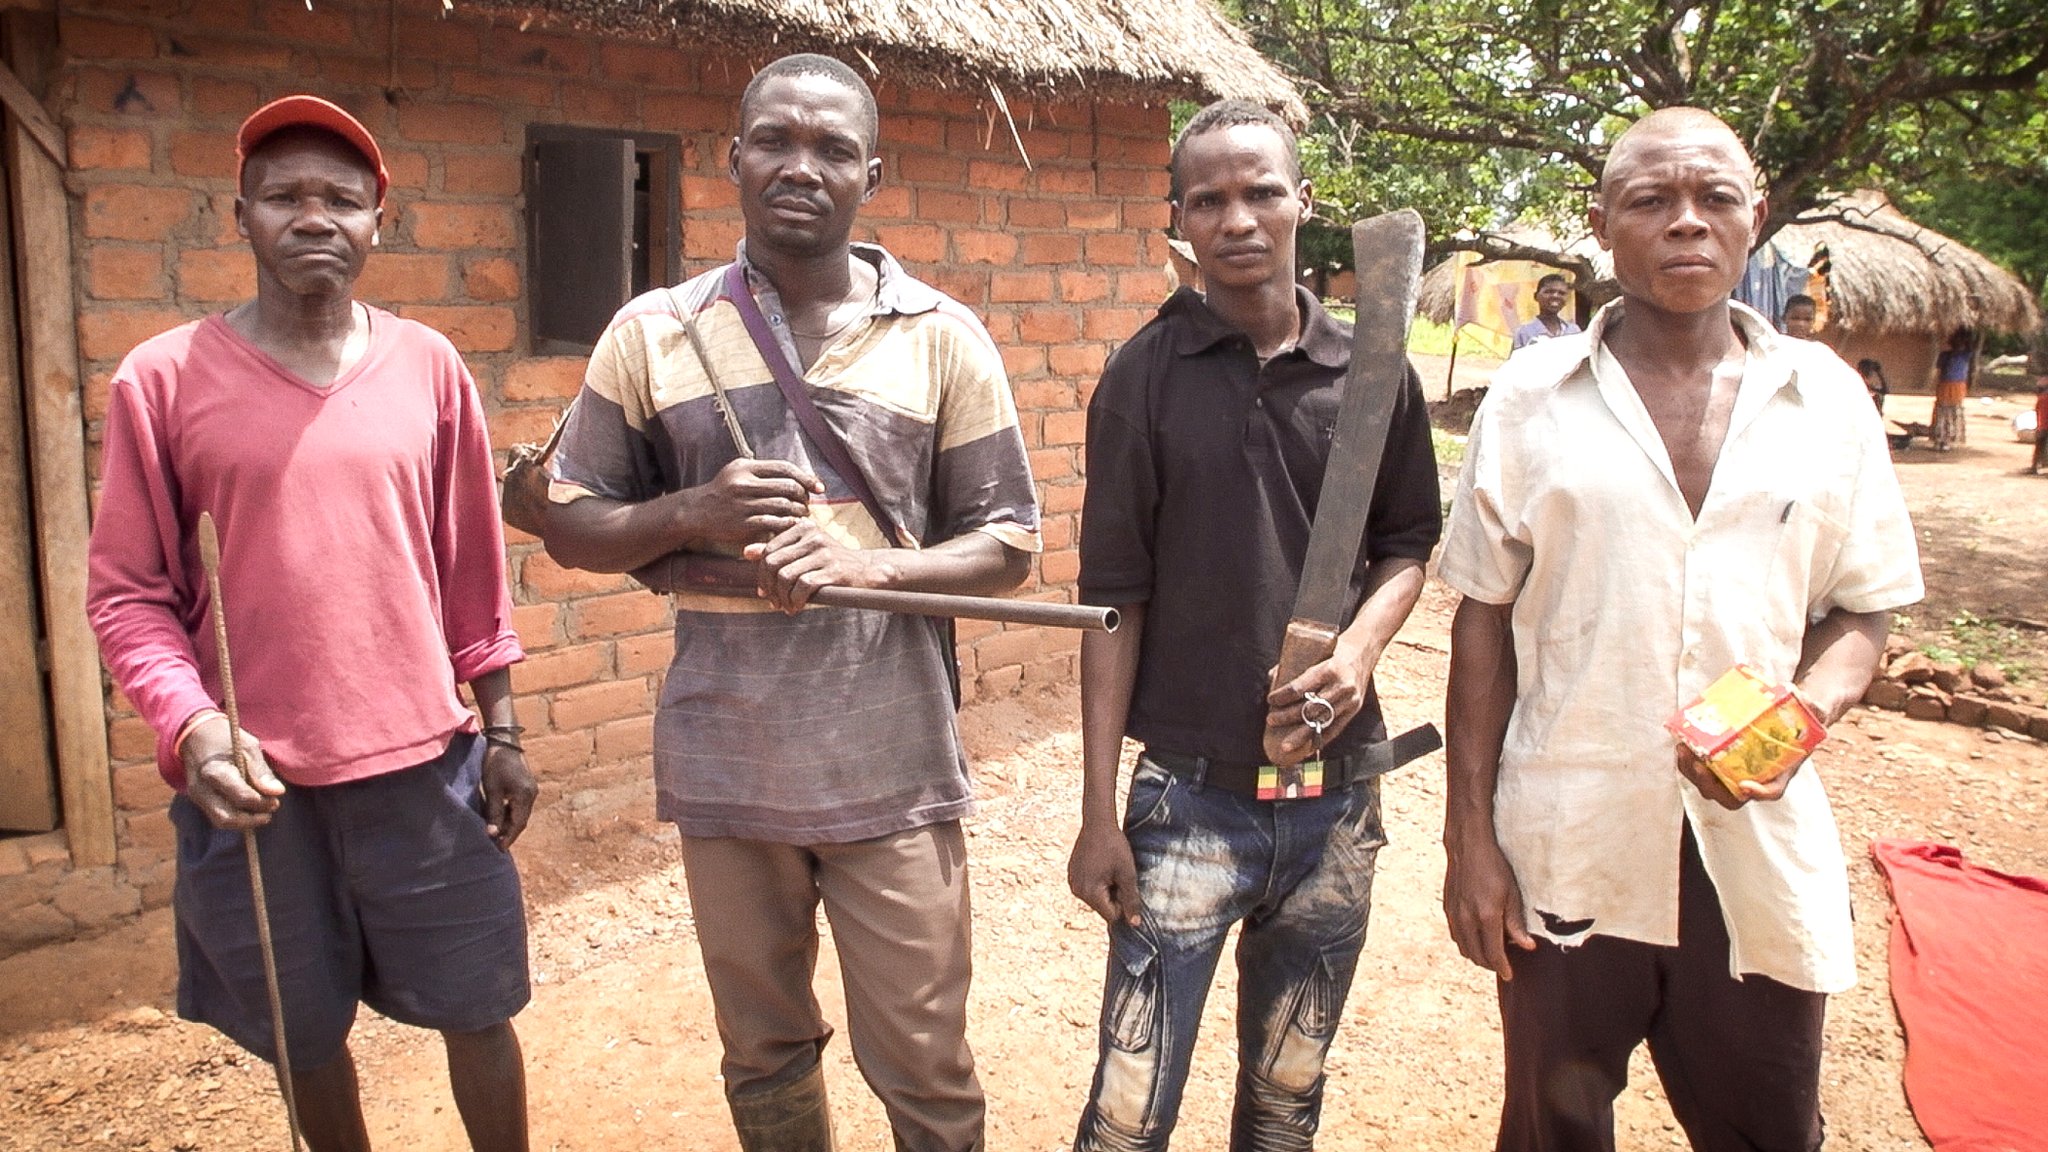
(1387, 251)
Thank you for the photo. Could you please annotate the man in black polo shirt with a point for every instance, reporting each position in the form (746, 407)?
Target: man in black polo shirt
(1206, 445)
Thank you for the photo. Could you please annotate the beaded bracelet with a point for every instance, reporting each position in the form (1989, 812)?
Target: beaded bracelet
(504, 736)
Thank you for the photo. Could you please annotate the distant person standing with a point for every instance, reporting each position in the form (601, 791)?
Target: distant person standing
(2040, 427)
(1800, 317)
(1553, 292)
(1951, 385)
(1874, 381)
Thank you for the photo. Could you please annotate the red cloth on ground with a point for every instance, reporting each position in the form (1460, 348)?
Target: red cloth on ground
(1969, 961)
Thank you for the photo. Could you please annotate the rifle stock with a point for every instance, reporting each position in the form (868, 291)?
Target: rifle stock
(727, 576)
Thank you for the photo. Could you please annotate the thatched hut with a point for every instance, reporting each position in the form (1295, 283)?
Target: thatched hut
(1025, 146)
(1895, 288)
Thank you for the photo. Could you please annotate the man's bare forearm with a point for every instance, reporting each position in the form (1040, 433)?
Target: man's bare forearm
(600, 535)
(1840, 655)
(1392, 586)
(1109, 675)
(1478, 703)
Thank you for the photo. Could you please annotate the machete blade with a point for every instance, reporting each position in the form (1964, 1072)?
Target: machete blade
(1387, 254)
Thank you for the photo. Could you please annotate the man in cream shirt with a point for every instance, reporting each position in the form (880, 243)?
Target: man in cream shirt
(1675, 491)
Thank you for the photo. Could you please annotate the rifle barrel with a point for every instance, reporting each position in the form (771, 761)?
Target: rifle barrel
(722, 576)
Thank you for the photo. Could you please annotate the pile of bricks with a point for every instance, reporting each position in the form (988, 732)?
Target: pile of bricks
(1978, 696)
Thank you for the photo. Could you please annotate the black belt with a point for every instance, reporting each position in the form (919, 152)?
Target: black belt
(1353, 767)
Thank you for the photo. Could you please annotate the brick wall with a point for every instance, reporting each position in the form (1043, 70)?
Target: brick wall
(1063, 259)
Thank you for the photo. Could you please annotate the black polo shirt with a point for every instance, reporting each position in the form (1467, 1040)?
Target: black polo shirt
(1204, 468)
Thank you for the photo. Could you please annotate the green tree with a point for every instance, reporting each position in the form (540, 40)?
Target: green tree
(1509, 105)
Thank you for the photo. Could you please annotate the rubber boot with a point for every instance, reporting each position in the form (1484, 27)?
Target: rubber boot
(788, 1117)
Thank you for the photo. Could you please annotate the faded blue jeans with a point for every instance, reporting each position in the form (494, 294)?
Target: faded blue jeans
(1299, 874)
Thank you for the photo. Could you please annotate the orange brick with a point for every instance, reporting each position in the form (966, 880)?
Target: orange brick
(520, 88)
(932, 168)
(1078, 359)
(624, 613)
(491, 278)
(556, 755)
(1063, 567)
(108, 335)
(592, 105)
(547, 580)
(1006, 175)
(624, 739)
(1045, 395)
(892, 202)
(916, 243)
(921, 131)
(129, 738)
(1079, 286)
(258, 54)
(151, 831)
(139, 787)
(314, 24)
(1093, 215)
(511, 426)
(124, 273)
(1066, 180)
(537, 52)
(1051, 248)
(948, 207)
(471, 328)
(593, 704)
(665, 112)
(450, 41)
(490, 174)
(1021, 361)
(1143, 286)
(1119, 248)
(451, 122)
(983, 247)
(134, 211)
(1052, 463)
(538, 625)
(544, 378)
(1113, 323)
(1065, 428)
(561, 667)
(1056, 532)
(712, 239)
(1010, 646)
(129, 92)
(216, 274)
(105, 40)
(404, 278)
(440, 225)
(1051, 326)
(95, 147)
(1012, 287)
(1062, 497)
(1135, 183)
(1036, 214)
(707, 192)
(645, 654)
(646, 64)
(1145, 215)
(215, 98)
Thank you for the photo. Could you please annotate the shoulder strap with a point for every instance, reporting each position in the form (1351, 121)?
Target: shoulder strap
(798, 397)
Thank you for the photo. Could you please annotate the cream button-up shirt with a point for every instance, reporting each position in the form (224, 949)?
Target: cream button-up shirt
(1625, 607)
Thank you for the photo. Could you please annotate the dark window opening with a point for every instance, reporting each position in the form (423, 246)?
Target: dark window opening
(603, 226)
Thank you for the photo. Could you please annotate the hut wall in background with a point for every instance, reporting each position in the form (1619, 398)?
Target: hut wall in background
(1908, 357)
(1064, 259)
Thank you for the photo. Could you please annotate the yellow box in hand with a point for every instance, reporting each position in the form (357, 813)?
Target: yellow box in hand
(1747, 727)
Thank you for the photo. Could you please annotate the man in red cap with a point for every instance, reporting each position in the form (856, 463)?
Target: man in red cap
(343, 454)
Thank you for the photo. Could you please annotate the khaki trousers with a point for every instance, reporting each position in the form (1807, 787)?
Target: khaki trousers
(898, 906)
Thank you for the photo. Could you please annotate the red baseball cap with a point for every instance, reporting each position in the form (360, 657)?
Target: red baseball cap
(310, 112)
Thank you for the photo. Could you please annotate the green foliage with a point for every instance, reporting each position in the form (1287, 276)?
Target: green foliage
(1449, 447)
(1971, 640)
(1481, 111)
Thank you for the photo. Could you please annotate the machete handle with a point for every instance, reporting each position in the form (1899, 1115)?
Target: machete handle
(1306, 645)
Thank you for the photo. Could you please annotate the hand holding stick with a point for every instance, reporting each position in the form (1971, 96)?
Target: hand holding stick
(209, 558)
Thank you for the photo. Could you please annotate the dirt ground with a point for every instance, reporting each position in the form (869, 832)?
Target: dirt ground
(619, 1039)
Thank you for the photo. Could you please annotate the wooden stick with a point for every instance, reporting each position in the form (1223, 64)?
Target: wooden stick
(209, 557)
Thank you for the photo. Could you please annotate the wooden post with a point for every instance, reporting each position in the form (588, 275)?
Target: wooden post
(28, 793)
(58, 475)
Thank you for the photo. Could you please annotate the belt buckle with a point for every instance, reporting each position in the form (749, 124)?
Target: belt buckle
(1303, 781)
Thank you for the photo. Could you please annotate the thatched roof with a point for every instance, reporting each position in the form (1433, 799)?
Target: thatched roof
(1888, 276)
(1143, 51)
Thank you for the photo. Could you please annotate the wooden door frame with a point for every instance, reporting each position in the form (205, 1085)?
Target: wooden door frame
(56, 433)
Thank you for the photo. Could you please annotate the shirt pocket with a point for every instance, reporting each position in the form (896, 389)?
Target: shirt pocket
(1811, 532)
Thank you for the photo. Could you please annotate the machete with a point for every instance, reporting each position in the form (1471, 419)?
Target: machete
(1387, 254)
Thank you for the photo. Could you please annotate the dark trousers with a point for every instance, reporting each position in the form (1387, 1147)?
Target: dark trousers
(1739, 1059)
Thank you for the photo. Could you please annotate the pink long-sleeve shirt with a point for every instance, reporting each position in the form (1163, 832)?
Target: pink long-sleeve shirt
(362, 562)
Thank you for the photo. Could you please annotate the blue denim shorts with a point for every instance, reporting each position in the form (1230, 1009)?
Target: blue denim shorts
(384, 891)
